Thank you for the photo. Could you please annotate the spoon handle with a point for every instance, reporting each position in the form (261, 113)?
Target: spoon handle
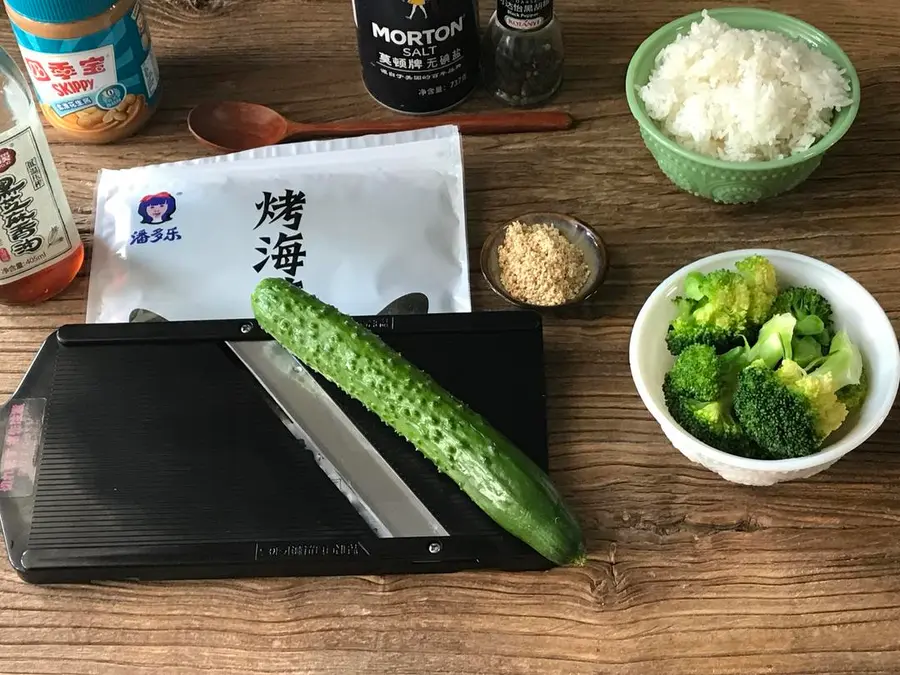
(473, 124)
(509, 122)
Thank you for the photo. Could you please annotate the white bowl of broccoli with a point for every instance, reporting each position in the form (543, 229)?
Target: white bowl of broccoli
(764, 365)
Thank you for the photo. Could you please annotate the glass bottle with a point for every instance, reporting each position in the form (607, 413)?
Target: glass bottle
(522, 52)
(41, 251)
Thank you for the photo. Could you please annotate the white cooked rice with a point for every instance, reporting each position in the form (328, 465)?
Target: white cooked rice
(742, 95)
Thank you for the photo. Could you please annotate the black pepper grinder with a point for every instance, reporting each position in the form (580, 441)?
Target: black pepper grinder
(522, 58)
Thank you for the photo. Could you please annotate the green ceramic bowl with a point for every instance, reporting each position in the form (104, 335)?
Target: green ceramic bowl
(735, 182)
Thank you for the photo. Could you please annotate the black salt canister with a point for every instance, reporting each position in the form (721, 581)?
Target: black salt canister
(418, 57)
(523, 57)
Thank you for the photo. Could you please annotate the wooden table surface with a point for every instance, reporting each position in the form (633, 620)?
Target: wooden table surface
(687, 573)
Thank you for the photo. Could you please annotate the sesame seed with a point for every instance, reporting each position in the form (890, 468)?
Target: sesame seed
(540, 266)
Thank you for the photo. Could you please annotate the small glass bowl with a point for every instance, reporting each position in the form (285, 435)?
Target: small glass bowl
(575, 231)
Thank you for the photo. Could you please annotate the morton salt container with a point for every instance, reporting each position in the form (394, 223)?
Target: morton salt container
(418, 57)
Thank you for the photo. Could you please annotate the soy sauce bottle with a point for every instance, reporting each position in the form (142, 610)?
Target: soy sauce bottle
(522, 52)
(41, 250)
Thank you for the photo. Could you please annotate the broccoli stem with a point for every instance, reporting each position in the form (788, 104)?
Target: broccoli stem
(843, 364)
(774, 342)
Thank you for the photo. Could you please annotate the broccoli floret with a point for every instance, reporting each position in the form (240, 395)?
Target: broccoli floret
(700, 372)
(760, 276)
(712, 311)
(696, 372)
(710, 422)
(789, 412)
(697, 391)
(854, 395)
(844, 364)
(699, 387)
(807, 351)
(723, 308)
(812, 310)
(814, 323)
(774, 342)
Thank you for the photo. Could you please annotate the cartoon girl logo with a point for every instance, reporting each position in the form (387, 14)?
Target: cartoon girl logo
(417, 5)
(158, 208)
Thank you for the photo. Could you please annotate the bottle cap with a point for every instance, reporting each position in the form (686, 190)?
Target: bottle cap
(59, 11)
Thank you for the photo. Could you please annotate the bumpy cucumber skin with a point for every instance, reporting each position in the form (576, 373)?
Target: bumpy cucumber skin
(504, 482)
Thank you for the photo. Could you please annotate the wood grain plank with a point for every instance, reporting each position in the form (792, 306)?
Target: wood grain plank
(687, 573)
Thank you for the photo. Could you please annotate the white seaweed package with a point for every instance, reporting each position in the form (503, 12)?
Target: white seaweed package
(357, 222)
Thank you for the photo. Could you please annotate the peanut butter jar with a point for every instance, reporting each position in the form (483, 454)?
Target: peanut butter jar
(91, 65)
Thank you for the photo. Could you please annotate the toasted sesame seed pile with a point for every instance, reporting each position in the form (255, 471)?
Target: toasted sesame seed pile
(538, 265)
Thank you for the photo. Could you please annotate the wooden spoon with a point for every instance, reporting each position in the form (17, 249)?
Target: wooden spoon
(232, 126)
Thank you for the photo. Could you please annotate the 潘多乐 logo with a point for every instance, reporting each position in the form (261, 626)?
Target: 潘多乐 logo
(156, 209)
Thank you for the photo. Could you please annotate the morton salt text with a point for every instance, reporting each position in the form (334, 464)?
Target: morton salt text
(423, 42)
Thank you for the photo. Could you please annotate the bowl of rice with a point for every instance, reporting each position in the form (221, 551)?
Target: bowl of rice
(738, 105)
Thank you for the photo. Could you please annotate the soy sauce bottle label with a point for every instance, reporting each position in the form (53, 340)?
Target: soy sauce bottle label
(35, 233)
(418, 56)
(524, 14)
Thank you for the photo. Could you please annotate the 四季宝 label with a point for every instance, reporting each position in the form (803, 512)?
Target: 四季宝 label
(524, 14)
(418, 56)
(98, 82)
(34, 232)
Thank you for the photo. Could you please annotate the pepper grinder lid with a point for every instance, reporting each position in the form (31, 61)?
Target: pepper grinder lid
(524, 15)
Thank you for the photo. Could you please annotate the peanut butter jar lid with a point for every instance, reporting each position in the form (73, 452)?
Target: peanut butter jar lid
(60, 11)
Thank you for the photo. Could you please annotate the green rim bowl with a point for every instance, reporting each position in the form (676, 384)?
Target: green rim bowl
(735, 182)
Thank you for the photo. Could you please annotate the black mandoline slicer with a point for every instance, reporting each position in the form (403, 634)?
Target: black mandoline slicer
(203, 449)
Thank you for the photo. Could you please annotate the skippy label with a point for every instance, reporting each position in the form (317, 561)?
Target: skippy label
(34, 233)
(95, 82)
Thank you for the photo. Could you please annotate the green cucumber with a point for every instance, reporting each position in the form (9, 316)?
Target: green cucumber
(504, 482)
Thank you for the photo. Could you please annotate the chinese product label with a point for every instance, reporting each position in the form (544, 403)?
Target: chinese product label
(94, 83)
(524, 14)
(286, 252)
(418, 56)
(378, 218)
(21, 440)
(34, 233)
